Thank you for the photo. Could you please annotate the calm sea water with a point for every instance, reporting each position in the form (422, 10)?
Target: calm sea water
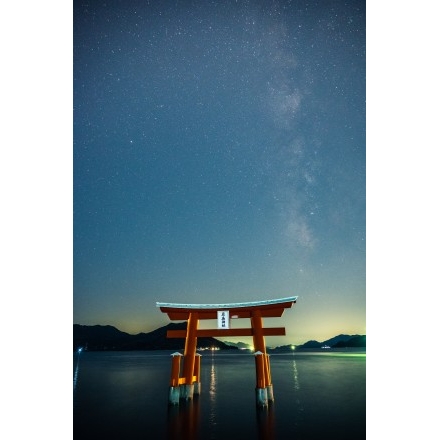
(124, 395)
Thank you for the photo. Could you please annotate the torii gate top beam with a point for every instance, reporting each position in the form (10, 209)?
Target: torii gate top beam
(269, 309)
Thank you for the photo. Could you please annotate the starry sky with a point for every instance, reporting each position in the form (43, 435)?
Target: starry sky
(219, 156)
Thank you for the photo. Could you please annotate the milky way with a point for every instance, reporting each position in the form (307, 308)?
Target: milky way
(219, 156)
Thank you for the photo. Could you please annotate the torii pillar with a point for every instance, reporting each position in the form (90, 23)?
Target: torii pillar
(185, 386)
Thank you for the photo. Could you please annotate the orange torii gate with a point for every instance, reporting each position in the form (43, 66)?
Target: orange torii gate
(185, 386)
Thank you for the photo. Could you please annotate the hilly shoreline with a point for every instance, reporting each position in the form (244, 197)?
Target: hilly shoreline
(109, 338)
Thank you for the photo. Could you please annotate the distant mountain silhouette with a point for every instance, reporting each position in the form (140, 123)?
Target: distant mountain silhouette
(355, 341)
(107, 337)
(279, 348)
(241, 345)
(339, 341)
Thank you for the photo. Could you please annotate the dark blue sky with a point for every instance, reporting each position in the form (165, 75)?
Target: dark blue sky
(219, 156)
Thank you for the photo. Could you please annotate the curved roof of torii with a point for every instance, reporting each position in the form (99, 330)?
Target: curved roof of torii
(268, 308)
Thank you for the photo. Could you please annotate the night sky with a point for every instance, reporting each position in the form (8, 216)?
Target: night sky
(219, 156)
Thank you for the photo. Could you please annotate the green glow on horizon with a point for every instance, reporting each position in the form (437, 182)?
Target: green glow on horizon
(347, 354)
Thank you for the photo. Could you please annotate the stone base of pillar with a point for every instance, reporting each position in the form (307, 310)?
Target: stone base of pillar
(174, 395)
(269, 390)
(197, 388)
(261, 395)
(186, 391)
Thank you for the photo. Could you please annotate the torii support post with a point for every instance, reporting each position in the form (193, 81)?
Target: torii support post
(264, 387)
(189, 384)
(197, 383)
(189, 357)
(269, 386)
(174, 394)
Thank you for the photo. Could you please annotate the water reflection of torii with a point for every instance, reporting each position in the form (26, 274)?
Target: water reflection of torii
(185, 386)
